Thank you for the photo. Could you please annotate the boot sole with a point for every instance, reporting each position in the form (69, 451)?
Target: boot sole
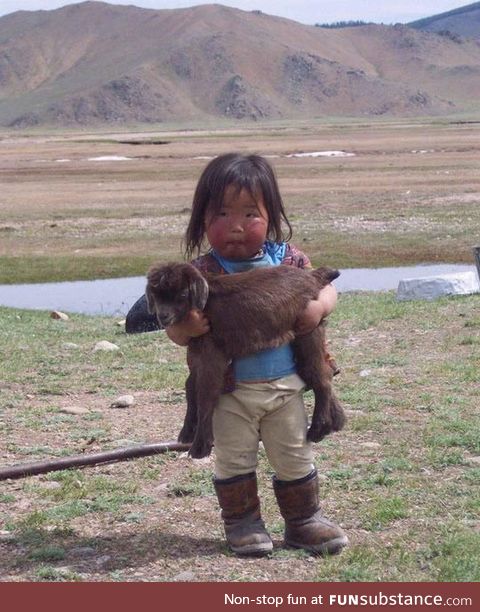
(332, 547)
(253, 550)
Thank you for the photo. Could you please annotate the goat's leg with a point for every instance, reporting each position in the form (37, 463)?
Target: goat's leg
(313, 368)
(337, 412)
(187, 432)
(210, 369)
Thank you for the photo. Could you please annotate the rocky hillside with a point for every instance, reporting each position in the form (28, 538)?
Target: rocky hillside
(95, 63)
(461, 22)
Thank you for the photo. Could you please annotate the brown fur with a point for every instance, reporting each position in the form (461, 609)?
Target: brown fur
(248, 312)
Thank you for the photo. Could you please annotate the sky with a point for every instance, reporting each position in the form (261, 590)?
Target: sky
(305, 11)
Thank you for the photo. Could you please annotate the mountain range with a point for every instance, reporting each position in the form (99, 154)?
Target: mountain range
(460, 22)
(94, 63)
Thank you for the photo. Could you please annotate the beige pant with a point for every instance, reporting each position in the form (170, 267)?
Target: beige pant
(273, 411)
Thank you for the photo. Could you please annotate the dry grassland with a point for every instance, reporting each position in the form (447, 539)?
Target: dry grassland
(409, 194)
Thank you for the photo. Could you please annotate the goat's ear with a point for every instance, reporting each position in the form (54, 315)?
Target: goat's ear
(198, 292)
(150, 300)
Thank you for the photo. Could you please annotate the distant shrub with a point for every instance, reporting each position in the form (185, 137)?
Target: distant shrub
(343, 24)
(450, 35)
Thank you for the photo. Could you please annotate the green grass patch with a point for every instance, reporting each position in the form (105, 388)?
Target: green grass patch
(383, 511)
(195, 483)
(399, 478)
(452, 554)
(44, 269)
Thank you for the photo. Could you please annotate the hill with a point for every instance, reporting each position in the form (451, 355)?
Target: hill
(463, 21)
(95, 63)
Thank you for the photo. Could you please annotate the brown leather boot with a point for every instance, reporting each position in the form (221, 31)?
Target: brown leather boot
(305, 527)
(244, 528)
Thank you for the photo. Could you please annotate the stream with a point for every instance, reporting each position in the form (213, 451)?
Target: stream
(115, 296)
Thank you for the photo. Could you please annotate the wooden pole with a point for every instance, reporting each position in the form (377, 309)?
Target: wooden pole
(476, 255)
(119, 454)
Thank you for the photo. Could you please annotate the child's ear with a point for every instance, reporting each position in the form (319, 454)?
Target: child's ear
(198, 292)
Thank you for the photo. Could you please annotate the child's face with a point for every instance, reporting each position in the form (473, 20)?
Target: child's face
(240, 227)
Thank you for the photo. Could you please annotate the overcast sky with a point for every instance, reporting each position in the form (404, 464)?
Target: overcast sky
(305, 11)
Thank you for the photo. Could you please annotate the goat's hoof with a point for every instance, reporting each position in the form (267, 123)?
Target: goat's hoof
(315, 434)
(338, 418)
(199, 450)
(186, 436)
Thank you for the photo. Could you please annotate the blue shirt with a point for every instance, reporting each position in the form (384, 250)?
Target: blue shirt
(270, 363)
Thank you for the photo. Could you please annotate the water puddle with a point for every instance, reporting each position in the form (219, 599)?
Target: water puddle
(323, 154)
(110, 158)
(115, 296)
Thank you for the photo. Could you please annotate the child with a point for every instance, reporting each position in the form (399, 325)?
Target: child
(237, 207)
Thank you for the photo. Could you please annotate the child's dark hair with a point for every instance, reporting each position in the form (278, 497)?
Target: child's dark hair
(250, 172)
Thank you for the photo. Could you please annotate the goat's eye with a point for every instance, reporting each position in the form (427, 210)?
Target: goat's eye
(183, 295)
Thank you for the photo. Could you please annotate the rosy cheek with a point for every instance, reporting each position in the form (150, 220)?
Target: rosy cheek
(257, 229)
(216, 232)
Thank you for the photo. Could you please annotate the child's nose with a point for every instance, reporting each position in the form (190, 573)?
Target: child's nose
(236, 224)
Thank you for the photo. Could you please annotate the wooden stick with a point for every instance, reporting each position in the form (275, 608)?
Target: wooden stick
(119, 454)
(476, 256)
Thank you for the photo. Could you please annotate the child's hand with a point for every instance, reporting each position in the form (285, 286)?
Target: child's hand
(193, 325)
(316, 310)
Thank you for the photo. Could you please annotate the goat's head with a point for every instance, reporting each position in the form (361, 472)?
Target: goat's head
(173, 290)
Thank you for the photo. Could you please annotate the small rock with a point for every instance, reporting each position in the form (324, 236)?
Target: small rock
(354, 413)
(124, 401)
(120, 323)
(184, 577)
(70, 346)
(82, 551)
(51, 485)
(103, 560)
(206, 461)
(124, 442)
(104, 345)
(370, 445)
(6, 536)
(63, 570)
(77, 410)
(365, 373)
(56, 314)
(475, 460)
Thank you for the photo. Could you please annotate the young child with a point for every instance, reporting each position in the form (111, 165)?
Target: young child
(237, 207)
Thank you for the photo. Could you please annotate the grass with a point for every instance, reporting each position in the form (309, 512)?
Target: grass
(402, 478)
(34, 269)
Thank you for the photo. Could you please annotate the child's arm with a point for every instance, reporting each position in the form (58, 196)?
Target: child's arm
(193, 325)
(317, 310)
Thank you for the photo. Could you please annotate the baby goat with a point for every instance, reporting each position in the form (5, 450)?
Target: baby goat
(248, 312)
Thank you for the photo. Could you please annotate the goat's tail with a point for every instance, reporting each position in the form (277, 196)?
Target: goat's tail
(325, 275)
